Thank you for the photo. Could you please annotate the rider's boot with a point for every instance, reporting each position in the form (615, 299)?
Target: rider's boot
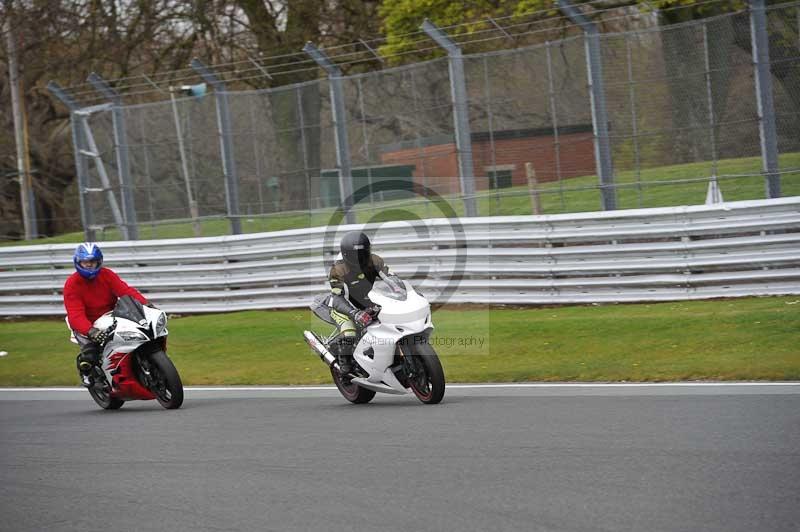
(85, 374)
(344, 354)
(86, 360)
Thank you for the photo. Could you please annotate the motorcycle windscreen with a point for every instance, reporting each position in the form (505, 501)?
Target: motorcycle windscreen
(130, 309)
(390, 286)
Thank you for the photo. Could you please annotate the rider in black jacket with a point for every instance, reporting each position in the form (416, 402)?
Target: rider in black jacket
(351, 279)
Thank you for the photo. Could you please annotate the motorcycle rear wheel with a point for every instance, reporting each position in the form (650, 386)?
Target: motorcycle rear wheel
(167, 385)
(352, 392)
(427, 382)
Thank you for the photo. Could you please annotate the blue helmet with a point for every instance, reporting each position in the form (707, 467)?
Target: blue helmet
(88, 251)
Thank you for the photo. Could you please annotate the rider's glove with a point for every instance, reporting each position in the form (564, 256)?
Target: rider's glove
(362, 318)
(101, 337)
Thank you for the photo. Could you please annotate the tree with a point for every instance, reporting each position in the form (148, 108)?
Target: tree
(283, 28)
(66, 40)
(688, 106)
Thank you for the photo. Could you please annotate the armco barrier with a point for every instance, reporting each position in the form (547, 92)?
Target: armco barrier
(677, 253)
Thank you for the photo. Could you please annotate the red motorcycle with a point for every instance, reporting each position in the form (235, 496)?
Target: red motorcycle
(135, 365)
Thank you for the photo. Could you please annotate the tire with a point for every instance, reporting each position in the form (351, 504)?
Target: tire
(427, 382)
(102, 398)
(165, 382)
(352, 392)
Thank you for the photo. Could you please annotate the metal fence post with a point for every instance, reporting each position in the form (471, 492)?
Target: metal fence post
(225, 142)
(149, 175)
(634, 122)
(766, 106)
(340, 129)
(551, 93)
(594, 64)
(711, 119)
(121, 146)
(418, 143)
(458, 93)
(194, 212)
(81, 168)
(257, 159)
(363, 120)
(301, 121)
(487, 90)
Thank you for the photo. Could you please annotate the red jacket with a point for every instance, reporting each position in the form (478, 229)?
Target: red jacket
(87, 300)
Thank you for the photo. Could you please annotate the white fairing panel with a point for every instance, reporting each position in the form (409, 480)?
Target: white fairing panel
(400, 316)
(379, 342)
(414, 308)
(129, 335)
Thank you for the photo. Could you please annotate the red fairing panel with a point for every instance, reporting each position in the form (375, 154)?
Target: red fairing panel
(124, 384)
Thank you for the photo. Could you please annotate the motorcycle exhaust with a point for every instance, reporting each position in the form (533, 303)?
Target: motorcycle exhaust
(320, 349)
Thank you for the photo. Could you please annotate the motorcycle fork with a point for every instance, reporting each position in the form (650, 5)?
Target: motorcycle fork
(141, 361)
(406, 362)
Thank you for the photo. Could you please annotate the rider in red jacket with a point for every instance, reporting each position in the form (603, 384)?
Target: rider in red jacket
(89, 293)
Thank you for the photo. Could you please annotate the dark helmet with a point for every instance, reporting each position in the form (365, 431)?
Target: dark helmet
(86, 252)
(356, 249)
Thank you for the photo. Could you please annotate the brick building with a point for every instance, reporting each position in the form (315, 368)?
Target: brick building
(435, 163)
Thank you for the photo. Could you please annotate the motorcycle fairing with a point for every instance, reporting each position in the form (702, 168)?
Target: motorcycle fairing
(117, 364)
(124, 384)
(398, 318)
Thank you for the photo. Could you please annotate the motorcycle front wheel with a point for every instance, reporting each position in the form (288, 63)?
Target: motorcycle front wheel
(427, 376)
(164, 380)
(352, 392)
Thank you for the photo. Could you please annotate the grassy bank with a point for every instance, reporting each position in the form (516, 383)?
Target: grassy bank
(742, 339)
(652, 187)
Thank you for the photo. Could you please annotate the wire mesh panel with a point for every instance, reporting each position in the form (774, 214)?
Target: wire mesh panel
(531, 122)
(201, 137)
(176, 165)
(681, 97)
(783, 23)
(400, 131)
(282, 143)
(682, 113)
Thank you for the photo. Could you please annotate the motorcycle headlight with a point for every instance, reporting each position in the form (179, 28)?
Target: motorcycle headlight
(132, 336)
(161, 325)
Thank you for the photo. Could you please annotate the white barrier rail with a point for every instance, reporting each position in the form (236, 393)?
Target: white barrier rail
(676, 253)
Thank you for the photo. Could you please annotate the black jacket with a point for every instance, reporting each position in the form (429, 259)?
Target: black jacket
(349, 287)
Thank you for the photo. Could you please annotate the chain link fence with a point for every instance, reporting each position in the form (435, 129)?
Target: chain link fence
(682, 118)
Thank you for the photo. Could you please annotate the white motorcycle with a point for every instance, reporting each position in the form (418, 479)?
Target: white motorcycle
(393, 354)
(135, 365)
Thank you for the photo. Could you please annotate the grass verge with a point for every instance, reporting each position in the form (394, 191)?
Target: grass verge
(652, 187)
(737, 339)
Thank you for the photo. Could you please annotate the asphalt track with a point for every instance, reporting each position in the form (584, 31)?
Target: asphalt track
(554, 458)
